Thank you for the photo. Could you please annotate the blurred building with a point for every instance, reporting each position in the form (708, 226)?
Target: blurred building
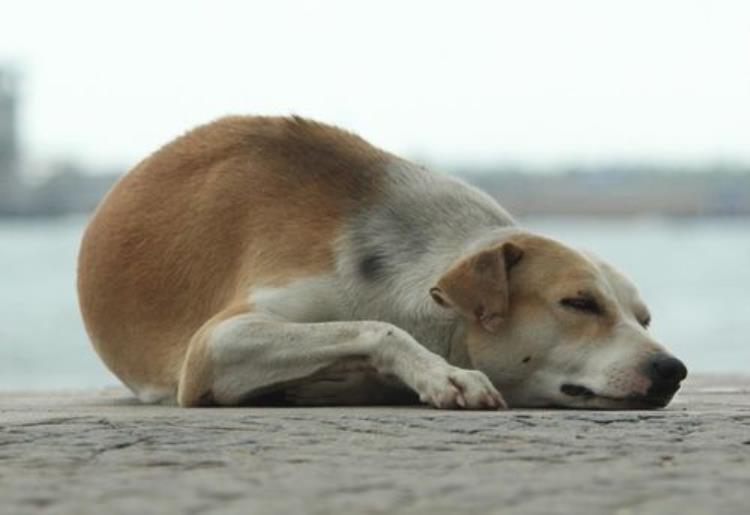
(8, 137)
(69, 188)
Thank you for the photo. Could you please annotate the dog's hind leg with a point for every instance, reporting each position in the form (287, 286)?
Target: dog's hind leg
(234, 357)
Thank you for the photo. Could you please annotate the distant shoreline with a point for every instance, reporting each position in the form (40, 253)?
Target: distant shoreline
(721, 191)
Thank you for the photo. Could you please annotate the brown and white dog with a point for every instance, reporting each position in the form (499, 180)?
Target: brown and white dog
(256, 259)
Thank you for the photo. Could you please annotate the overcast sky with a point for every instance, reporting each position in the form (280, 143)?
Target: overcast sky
(524, 81)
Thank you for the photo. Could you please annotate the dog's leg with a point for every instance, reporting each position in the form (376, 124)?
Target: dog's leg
(231, 359)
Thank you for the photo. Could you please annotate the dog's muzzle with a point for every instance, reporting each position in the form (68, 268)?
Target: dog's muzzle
(665, 373)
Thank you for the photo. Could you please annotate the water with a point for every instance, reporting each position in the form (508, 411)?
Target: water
(695, 276)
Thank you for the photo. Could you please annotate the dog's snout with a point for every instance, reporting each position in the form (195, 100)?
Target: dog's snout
(665, 368)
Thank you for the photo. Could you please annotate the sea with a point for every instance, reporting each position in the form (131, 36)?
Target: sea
(693, 273)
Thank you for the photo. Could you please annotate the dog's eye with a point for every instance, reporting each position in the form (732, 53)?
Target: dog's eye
(586, 304)
(645, 322)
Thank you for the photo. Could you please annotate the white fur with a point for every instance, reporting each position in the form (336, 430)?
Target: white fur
(306, 300)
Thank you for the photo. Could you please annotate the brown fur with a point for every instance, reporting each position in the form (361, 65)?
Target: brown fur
(179, 240)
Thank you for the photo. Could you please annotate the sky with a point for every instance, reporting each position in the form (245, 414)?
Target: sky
(479, 82)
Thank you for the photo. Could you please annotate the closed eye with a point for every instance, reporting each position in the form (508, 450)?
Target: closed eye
(585, 304)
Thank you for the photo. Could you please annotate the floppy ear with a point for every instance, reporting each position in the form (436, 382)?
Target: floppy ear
(477, 286)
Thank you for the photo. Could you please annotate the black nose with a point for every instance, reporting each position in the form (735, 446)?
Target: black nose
(666, 369)
(665, 373)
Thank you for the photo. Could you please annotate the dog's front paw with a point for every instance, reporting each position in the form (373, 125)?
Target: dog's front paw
(452, 387)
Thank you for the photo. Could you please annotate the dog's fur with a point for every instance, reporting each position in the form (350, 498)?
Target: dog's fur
(278, 258)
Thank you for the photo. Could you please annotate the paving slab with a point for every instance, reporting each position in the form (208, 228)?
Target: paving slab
(101, 452)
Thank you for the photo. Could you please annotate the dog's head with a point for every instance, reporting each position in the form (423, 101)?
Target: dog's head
(552, 326)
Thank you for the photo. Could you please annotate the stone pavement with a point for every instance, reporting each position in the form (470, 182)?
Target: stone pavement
(102, 453)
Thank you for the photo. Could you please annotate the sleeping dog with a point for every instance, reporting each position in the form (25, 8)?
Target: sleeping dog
(259, 258)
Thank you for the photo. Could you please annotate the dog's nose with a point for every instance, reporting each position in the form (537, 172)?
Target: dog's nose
(667, 369)
(665, 373)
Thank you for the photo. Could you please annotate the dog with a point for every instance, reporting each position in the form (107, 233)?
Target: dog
(278, 259)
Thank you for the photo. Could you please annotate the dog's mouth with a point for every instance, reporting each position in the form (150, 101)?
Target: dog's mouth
(653, 399)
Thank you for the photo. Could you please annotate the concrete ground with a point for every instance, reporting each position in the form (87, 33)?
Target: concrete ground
(102, 453)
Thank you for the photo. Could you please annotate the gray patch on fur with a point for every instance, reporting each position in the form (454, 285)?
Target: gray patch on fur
(385, 239)
(420, 214)
(372, 267)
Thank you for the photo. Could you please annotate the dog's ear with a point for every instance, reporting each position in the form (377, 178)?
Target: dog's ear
(477, 286)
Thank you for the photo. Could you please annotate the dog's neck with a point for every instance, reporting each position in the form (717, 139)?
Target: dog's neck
(458, 350)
